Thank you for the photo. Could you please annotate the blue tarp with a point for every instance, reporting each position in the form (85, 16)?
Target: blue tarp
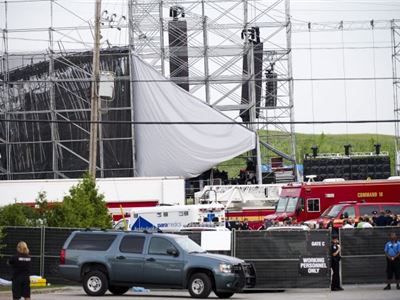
(143, 224)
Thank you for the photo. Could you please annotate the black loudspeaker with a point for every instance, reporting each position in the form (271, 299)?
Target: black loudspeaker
(178, 46)
(349, 167)
(271, 91)
(258, 63)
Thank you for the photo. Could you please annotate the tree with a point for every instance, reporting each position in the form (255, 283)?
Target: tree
(85, 206)
(17, 215)
(48, 215)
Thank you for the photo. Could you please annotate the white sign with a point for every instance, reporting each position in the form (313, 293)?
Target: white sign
(216, 240)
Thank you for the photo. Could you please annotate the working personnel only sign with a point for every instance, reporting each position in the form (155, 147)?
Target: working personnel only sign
(313, 266)
(315, 261)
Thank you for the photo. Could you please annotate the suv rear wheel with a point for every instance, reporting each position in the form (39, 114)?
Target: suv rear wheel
(95, 283)
(200, 285)
(117, 289)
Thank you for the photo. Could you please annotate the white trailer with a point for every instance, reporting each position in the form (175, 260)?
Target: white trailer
(127, 192)
(177, 217)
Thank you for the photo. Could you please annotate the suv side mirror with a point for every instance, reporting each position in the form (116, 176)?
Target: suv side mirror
(172, 252)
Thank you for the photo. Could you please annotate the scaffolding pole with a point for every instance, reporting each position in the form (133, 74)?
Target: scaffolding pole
(395, 25)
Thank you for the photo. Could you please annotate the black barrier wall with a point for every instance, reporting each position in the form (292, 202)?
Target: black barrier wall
(363, 258)
(286, 259)
(44, 245)
(283, 259)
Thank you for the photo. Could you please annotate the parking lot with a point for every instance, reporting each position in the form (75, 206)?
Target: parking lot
(354, 292)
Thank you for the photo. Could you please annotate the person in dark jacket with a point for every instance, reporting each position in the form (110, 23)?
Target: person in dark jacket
(335, 259)
(21, 266)
(382, 220)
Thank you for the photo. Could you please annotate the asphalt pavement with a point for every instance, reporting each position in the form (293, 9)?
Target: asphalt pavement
(353, 292)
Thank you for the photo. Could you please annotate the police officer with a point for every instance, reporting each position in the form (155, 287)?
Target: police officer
(21, 266)
(392, 252)
(335, 259)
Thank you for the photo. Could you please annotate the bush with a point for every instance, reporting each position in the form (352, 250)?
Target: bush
(84, 207)
(17, 215)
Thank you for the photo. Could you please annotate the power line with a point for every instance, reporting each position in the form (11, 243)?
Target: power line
(199, 80)
(81, 121)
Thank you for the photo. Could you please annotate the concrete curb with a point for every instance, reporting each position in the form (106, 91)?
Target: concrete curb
(41, 290)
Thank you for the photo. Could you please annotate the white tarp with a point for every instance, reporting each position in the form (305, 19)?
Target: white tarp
(180, 150)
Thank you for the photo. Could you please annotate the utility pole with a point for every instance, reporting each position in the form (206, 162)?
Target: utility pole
(94, 112)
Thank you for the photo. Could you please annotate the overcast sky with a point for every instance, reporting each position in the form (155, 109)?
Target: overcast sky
(330, 100)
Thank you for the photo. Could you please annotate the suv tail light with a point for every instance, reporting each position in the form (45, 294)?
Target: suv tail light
(62, 257)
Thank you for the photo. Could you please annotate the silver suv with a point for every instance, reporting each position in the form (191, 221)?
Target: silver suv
(118, 260)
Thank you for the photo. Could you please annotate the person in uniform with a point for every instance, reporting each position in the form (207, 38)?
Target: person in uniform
(21, 266)
(392, 252)
(335, 259)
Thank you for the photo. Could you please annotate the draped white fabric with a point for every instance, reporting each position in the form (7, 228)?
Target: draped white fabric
(180, 149)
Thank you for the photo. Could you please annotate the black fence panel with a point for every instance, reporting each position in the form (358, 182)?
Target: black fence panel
(284, 259)
(30, 235)
(363, 258)
(54, 239)
(194, 236)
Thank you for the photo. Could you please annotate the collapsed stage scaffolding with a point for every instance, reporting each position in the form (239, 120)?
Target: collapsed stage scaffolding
(54, 85)
(223, 38)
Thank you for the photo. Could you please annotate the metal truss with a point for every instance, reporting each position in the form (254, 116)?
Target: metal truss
(216, 49)
(55, 86)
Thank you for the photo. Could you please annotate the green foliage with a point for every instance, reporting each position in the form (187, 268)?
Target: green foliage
(48, 215)
(84, 207)
(17, 215)
(327, 143)
(2, 236)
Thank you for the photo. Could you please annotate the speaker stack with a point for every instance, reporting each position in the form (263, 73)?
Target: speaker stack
(348, 166)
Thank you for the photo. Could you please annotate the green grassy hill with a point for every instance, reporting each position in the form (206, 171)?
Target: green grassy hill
(327, 143)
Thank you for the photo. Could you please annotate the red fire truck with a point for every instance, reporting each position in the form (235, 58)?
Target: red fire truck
(306, 201)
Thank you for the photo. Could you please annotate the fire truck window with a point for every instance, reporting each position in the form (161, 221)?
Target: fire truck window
(281, 205)
(185, 213)
(313, 205)
(292, 203)
(350, 211)
(165, 214)
(394, 209)
(368, 209)
(159, 214)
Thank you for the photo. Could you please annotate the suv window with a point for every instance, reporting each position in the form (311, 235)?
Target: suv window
(395, 209)
(313, 205)
(160, 246)
(132, 244)
(368, 209)
(87, 241)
